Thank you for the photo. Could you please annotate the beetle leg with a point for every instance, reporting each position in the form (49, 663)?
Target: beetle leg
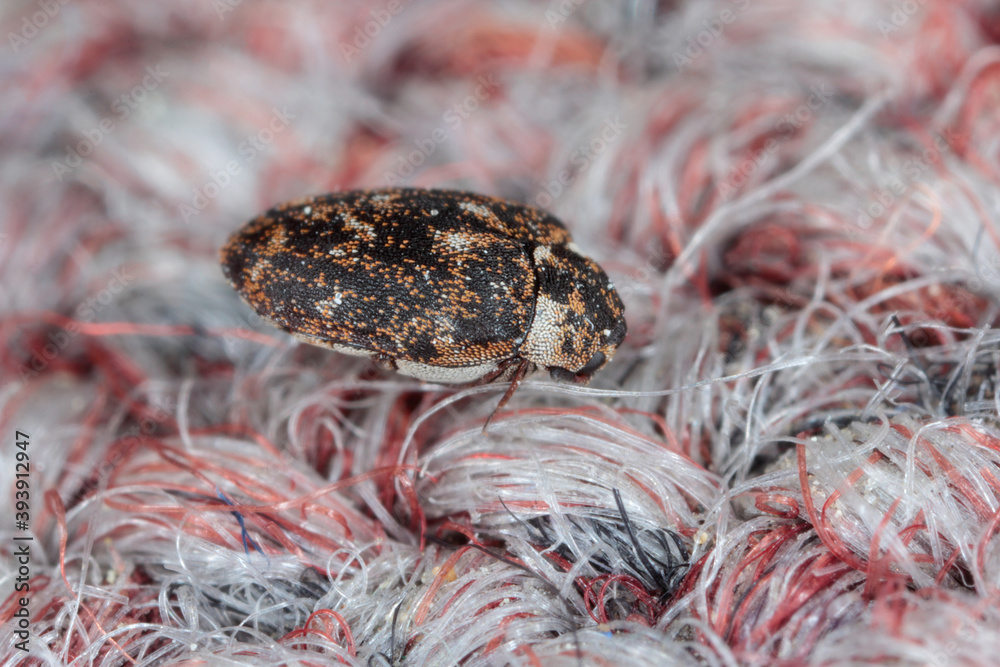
(384, 361)
(504, 371)
(498, 372)
(515, 382)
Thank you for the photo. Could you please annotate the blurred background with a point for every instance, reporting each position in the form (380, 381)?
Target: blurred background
(793, 459)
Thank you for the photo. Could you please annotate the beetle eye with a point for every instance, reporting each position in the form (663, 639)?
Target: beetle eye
(591, 366)
(583, 375)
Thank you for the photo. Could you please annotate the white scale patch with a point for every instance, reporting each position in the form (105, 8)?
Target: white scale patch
(424, 372)
(344, 349)
(445, 323)
(364, 228)
(429, 373)
(324, 342)
(476, 209)
(542, 254)
(326, 304)
(544, 342)
(459, 242)
(330, 345)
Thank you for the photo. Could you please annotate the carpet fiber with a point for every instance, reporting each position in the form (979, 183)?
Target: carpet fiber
(793, 458)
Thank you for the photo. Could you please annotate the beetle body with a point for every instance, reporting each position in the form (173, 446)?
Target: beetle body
(441, 285)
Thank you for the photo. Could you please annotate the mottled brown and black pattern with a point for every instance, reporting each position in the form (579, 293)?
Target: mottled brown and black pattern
(442, 278)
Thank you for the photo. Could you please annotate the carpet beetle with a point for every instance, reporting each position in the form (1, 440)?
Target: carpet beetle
(444, 286)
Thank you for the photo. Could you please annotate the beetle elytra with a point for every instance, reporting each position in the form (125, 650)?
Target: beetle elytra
(441, 285)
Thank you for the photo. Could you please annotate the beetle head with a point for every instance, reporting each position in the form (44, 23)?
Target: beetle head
(579, 318)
